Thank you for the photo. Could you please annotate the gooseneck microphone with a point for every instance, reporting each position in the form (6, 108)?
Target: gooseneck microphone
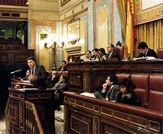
(19, 70)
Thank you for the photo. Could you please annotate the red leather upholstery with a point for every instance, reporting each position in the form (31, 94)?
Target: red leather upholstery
(123, 75)
(155, 101)
(65, 73)
(142, 88)
(160, 53)
(120, 51)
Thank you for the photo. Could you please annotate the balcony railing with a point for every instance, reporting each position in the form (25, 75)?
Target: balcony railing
(13, 2)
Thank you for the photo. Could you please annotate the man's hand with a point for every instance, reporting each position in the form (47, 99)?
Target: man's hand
(104, 86)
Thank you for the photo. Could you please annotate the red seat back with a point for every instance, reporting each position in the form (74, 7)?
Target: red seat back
(142, 87)
(160, 53)
(122, 75)
(155, 101)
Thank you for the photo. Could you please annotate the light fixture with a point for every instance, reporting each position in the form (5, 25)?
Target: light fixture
(53, 42)
(27, 4)
(62, 44)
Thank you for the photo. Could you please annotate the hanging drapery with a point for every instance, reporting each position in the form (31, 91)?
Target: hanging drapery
(126, 13)
(122, 10)
(151, 33)
(130, 34)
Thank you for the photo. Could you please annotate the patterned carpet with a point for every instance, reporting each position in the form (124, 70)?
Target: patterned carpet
(59, 122)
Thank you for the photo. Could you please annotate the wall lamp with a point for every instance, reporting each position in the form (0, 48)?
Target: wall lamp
(53, 43)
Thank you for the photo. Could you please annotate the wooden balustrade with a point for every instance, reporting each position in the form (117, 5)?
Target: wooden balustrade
(33, 124)
(13, 2)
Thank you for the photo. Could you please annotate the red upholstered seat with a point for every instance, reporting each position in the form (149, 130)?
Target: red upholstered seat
(120, 51)
(142, 88)
(122, 75)
(160, 53)
(155, 101)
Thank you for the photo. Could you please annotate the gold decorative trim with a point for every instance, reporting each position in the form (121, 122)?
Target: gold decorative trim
(71, 101)
(63, 2)
(96, 108)
(106, 109)
(96, 123)
(154, 126)
(144, 16)
(80, 121)
(120, 113)
(79, 103)
(88, 106)
(138, 123)
(21, 114)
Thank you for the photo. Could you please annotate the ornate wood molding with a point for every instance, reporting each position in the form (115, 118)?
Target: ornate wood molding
(73, 50)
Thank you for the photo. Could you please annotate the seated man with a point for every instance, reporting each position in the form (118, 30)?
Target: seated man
(63, 67)
(59, 88)
(102, 54)
(111, 53)
(52, 80)
(95, 56)
(145, 51)
(110, 90)
(88, 55)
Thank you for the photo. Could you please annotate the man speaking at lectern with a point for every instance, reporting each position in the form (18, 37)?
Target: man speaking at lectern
(38, 74)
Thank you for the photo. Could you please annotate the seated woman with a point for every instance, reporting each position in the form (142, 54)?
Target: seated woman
(59, 88)
(127, 94)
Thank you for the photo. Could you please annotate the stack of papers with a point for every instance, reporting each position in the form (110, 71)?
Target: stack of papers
(148, 58)
(24, 89)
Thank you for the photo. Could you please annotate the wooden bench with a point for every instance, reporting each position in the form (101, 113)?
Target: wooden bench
(100, 116)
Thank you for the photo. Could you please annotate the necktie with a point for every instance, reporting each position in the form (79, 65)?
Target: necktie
(109, 55)
(32, 71)
(107, 97)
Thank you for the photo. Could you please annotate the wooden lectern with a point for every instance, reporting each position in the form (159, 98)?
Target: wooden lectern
(44, 102)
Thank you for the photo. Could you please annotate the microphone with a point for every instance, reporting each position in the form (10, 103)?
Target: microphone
(19, 70)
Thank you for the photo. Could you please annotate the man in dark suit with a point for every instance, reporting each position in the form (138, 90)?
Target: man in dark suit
(111, 53)
(38, 74)
(52, 80)
(110, 89)
(63, 67)
(145, 51)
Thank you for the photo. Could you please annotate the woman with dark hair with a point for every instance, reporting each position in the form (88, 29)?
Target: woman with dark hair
(127, 94)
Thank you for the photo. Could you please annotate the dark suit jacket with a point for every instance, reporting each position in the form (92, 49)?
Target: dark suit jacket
(111, 94)
(51, 83)
(150, 53)
(129, 98)
(59, 88)
(64, 69)
(113, 55)
(41, 75)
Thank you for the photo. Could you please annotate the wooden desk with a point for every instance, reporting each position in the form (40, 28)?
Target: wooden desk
(87, 76)
(44, 101)
(87, 115)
